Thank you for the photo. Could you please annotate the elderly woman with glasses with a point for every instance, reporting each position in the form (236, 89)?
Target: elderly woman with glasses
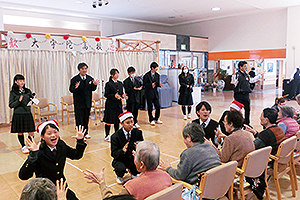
(239, 142)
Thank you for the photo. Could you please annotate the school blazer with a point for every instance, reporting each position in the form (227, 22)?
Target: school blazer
(82, 95)
(150, 92)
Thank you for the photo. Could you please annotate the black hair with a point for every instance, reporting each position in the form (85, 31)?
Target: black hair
(205, 104)
(253, 68)
(81, 65)
(241, 64)
(183, 68)
(236, 118)
(271, 114)
(47, 126)
(153, 65)
(120, 197)
(15, 87)
(195, 131)
(130, 69)
(113, 71)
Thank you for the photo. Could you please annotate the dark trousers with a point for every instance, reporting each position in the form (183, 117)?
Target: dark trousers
(134, 109)
(244, 99)
(120, 167)
(154, 101)
(296, 88)
(82, 116)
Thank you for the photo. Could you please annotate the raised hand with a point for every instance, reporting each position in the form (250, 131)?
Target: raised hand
(164, 165)
(125, 96)
(96, 82)
(125, 147)
(21, 97)
(219, 133)
(79, 132)
(61, 189)
(117, 96)
(77, 84)
(153, 84)
(249, 129)
(95, 177)
(32, 146)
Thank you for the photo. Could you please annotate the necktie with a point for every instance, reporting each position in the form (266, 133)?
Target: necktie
(153, 77)
(128, 136)
(54, 151)
(203, 125)
(116, 83)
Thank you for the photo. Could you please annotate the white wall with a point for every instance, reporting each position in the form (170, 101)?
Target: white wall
(293, 39)
(260, 31)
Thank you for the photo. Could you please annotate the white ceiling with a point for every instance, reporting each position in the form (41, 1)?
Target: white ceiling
(164, 12)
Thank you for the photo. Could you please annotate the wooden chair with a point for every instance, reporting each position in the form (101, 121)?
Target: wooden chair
(40, 111)
(283, 164)
(297, 155)
(255, 163)
(171, 193)
(96, 97)
(67, 106)
(215, 182)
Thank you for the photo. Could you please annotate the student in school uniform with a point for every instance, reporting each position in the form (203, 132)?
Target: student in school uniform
(123, 142)
(151, 81)
(113, 104)
(22, 120)
(203, 111)
(82, 85)
(133, 88)
(47, 158)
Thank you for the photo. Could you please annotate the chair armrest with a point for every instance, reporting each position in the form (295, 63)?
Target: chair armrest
(239, 171)
(186, 185)
(53, 104)
(274, 157)
(35, 106)
(64, 103)
(93, 102)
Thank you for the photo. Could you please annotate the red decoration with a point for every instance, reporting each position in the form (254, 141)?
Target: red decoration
(97, 39)
(66, 37)
(28, 35)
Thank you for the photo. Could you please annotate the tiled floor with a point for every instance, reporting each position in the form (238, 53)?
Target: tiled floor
(97, 154)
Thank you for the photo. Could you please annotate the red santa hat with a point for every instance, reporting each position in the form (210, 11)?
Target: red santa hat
(41, 126)
(123, 116)
(236, 105)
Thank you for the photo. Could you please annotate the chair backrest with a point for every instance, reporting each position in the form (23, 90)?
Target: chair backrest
(256, 162)
(44, 102)
(218, 180)
(67, 99)
(285, 149)
(96, 96)
(298, 141)
(171, 193)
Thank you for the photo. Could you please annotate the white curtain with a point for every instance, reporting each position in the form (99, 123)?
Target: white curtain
(48, 73)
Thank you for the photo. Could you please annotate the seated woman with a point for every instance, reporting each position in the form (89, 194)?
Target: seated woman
(239, 143)
(150, 180)
(286, 122)
(235, 105)
(198, 157)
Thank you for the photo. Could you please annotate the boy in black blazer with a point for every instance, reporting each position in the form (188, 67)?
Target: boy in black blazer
(151, 81)
(123, 143)
(203, 111)
(132, 88)
(82, 86)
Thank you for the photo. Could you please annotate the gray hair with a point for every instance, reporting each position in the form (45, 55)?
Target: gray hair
(298, 98)
(149, 153)
(195, 131)
(287, 111)
(39, 189)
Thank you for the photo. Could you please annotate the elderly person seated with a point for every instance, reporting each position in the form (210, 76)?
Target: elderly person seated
(198, 157)
(44, 189)
(286, 122)
(150, 180)
(239, 143)
(272, 135)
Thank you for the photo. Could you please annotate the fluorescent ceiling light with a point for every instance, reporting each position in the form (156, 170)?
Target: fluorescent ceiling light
(216, 8)
(79, 2)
